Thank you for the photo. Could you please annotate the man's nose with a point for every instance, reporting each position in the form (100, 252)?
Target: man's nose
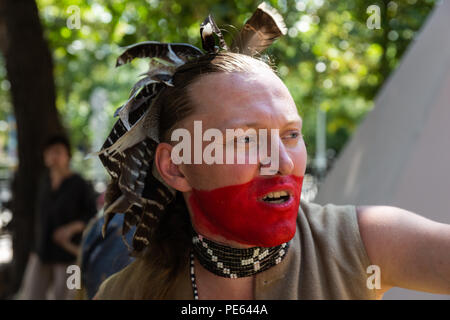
(279, 162)
(286, 163)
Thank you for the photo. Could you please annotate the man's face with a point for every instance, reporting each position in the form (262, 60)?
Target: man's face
(56, 156)
(259, 101)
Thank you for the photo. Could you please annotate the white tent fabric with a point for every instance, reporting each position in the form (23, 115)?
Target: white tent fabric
(400, 154)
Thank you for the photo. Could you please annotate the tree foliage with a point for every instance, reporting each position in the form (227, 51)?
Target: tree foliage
(330, 59)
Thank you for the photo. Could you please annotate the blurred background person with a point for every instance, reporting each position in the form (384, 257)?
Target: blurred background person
(65, 203)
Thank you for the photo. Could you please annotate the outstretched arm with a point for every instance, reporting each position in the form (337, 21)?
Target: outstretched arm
(412, 252)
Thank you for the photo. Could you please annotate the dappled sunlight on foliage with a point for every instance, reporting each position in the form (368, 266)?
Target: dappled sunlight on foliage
(330, 59)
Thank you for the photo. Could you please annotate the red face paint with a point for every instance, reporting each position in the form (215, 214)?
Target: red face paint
(238, 212)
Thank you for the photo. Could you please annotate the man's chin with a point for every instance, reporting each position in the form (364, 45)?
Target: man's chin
(271, 238)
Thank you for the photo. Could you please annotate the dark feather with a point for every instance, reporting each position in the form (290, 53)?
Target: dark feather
(156, 197)
(121, 204)
(132, 218)
(125, 193)
(147, 92)
(150, 217)
(154, 49)
(134, 170)
(140, 85)
(111, 163)
(208, 29)
(260, 31)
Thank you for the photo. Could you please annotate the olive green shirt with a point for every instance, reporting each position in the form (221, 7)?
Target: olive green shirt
(326, 260)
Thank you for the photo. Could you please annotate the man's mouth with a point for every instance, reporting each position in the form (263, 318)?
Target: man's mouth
(276, 197)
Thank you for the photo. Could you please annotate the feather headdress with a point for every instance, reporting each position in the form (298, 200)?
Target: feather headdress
(129, 149)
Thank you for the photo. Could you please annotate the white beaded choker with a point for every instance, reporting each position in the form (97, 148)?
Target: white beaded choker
(231, 262)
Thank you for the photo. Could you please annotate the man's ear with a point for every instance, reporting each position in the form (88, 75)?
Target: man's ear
(169, 171)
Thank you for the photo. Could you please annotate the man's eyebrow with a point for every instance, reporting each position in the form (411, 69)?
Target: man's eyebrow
(236, 124)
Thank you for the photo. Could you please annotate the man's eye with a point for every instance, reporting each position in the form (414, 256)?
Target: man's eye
(245, 139)
(295, 135)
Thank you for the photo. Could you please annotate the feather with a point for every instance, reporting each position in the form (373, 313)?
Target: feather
(134, 170)
(148, 92)
(161, 75)
(158, 72)
(169, 52)
(208, 41)
(208, 29)
(146, 126)
(140, 85)
(121, 204)
(131, 218)
(112, 164)
(177, 54)
(260, 31)
(125, 194)
(150, 217)
(135, 135)
(151, 121)
(156, 197)
(143, 90)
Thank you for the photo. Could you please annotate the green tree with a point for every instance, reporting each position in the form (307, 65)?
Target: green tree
(30, 73)
(330, 59)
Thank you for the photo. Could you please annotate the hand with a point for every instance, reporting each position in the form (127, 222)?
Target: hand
(63, 234)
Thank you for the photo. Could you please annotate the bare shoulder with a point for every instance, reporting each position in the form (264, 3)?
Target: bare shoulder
(411, 250)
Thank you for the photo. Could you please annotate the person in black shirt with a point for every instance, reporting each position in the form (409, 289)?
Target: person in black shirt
(65, 204)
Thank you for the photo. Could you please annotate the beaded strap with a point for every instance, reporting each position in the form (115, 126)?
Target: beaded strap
(231, 262)
(194, 282)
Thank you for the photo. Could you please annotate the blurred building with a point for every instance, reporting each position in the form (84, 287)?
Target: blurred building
(400, 154)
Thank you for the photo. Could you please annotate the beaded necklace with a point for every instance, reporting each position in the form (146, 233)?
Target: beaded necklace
(231, 262)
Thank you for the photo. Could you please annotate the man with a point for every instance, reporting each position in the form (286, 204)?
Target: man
(221, 230)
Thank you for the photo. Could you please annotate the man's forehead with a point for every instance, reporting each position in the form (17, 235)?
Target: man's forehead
(239, 100)
(230, 90)
(235, 80)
